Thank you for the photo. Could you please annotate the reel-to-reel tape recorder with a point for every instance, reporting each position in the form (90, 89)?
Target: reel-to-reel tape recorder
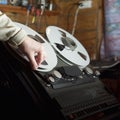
(66, 77)
(66, 60)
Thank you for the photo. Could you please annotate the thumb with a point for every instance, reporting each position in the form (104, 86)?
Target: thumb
(33, 62)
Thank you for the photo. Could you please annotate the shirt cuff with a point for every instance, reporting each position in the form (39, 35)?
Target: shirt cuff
(17, 39)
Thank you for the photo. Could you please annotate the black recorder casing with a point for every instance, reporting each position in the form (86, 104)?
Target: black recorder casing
(66, 92)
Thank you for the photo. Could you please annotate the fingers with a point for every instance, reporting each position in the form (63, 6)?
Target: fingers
(40, 57)
(32, 61)
(36, 59)
(34, 51)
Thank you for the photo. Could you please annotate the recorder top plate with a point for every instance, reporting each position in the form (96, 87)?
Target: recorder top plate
(48, 64)
(68, 48)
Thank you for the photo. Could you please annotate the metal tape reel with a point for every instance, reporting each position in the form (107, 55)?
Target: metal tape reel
(51, 58)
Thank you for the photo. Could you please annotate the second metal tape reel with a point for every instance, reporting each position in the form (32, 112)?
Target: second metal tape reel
(67, 47)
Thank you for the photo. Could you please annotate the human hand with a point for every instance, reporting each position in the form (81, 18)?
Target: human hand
(33, 50)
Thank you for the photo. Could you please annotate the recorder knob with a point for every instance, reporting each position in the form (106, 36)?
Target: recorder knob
(57, 74)
(51, 79)
(97, 72)
(88, 70)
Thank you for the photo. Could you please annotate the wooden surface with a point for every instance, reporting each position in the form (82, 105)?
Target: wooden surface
(13, 9)
(22, 10)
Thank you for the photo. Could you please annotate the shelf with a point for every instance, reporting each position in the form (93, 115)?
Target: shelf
(12, 9)
(23, 10)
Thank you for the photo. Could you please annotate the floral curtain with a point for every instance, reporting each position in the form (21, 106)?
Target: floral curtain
(110, 47)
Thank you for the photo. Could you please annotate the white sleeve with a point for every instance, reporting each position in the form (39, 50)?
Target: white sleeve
(9, 31)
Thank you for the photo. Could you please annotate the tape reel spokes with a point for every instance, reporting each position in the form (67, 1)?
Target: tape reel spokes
(68, 48)
(48, 64)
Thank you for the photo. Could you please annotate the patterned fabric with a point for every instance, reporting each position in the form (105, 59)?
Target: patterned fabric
(110, 47)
